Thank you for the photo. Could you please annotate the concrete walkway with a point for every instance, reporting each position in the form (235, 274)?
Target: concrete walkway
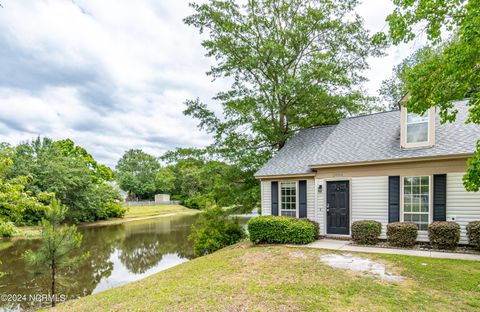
(345, 246)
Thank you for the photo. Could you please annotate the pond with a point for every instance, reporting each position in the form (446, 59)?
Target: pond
(119, 254)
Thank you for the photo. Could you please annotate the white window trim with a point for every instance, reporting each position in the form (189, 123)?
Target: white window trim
(430, 198)
(280, 197)
(430, 127)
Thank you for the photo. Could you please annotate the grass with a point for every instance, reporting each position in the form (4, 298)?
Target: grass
(279, 278)
(147, 211)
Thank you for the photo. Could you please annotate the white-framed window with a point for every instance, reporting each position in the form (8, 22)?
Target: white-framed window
(288, 199)
(417, 128)
(416, 201)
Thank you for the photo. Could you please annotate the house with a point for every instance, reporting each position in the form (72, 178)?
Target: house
(389, 166)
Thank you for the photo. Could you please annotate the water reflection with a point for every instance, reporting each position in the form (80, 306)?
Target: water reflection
(119, 254)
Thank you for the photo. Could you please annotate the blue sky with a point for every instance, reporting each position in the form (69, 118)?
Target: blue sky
(113, 75)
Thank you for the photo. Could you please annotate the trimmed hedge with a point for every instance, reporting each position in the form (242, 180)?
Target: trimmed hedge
(366, 232)
(473, 233)
(316, 225)
(280, 230)
(444, 234)
(402, 234)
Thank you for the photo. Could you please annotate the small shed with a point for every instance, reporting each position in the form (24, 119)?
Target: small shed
(162, 198)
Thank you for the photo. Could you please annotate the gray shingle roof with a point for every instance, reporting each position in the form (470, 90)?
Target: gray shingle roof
(374, 137)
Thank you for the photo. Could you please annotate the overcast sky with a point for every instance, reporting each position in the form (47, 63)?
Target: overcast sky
(113, 75)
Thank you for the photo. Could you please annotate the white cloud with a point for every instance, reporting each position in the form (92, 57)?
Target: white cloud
(113, 75)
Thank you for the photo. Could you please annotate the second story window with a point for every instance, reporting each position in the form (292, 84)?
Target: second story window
(417, 127)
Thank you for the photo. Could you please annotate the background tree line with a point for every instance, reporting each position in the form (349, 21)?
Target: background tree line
(190, 176)
(31, 173)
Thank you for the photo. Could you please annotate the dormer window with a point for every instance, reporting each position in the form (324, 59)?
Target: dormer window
(417, 130)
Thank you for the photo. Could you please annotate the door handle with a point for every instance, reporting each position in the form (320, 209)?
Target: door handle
(328, 210)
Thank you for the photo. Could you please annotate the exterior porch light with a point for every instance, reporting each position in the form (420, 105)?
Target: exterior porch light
(320, 188)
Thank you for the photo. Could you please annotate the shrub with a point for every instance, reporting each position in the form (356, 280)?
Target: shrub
(366, 232)
(7, 229)
(199, 201)
(115, 210)
(402, 234)
(444, 234)
(214, 230)
(473, 233)
(316, 225)
(280, 230)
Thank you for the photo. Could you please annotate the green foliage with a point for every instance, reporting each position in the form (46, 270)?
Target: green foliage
(448, 70)
(402, 234)
(473, 233)
(294, 64)
(366, 232)
(444, 234)
(16, 203)
(70, 173)
(165, 180)
(315, 224)
(471, 179)
(280, 230)
(56, 245)
(136, 174)
(214, 230)
(7, 229)
(203, 183)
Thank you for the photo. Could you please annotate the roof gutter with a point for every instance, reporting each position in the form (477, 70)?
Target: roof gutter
(286, 176)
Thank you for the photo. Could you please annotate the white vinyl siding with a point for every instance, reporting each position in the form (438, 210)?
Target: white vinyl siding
(311, 199)
(266, 191)
(462, 205)
(320, 209)
(370, 200)
(266, 195)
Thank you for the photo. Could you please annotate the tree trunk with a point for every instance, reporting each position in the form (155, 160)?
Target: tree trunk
(53, 282)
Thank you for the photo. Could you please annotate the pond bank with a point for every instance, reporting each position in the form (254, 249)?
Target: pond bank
(119, 254)
(134, 213)
(138, 213)
(282, 278)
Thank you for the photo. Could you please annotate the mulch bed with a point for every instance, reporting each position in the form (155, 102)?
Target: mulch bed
(465, 249)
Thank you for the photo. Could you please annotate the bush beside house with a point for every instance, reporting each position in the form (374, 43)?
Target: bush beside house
(280, 230)
(473, 233)
(402, 234)
(444, 234)
(366, 232)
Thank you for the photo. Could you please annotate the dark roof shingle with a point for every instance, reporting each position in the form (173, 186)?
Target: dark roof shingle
(374, 137)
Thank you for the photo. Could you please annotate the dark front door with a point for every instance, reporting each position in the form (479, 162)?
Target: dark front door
(338, 207)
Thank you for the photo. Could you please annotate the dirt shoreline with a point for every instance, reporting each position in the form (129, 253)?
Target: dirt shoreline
(125, 220)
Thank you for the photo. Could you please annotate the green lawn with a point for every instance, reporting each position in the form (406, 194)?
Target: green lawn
(147, 211)
(278, 278)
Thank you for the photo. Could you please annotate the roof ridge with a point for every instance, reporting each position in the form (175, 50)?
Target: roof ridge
(371, 114)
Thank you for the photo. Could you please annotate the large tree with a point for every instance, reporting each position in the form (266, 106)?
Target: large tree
(447, 70)
(293, 64)
(71, 173)
(137, 173)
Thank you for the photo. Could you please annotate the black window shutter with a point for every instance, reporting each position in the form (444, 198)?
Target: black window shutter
(302, 199)
(274, 198)
(393, 199)
(439, 197)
